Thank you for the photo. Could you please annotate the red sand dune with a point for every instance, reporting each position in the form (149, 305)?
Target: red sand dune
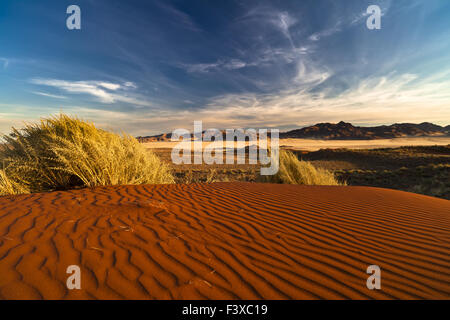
(224, 241)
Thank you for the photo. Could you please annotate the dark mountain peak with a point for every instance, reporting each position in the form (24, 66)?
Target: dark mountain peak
(340, 124)
(345, 130)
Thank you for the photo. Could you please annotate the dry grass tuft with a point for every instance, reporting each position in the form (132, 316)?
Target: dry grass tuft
(294, 171)
(63, 152)
(9, 187)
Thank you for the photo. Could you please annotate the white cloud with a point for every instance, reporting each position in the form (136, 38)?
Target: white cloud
(310, 75)
(109, 86)
(283, 21)
(48, 95)
(200, 67)
(130, 85)
(286, 55)
(325, 33)
(269, 55)
(87, 87)
(105, 92)
(220, 65)
(374, 100)
(234, 64)
(402, 98)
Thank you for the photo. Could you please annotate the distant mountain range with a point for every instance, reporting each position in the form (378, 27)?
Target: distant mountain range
(347, 131)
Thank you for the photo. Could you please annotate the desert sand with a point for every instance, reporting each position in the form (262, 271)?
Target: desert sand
(224, 241)
(317, 144)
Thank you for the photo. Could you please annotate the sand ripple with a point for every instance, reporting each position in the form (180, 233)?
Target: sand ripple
(224, 241)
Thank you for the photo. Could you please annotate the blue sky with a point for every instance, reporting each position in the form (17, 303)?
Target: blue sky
(148, 67)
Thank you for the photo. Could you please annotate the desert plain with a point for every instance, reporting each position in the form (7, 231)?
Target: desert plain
(317, 144)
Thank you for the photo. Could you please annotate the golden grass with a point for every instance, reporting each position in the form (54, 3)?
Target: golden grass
(294, 171)
(64, 152)
(9, 187)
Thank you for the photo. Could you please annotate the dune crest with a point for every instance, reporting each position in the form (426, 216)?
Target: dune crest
(224, 241)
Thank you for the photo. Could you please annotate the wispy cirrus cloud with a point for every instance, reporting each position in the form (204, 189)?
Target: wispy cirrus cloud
(105, 92)
(325, 33)
(283, 55)
(220, 65)
(180, 17)
(44, 94)
(309, 75)
(385, 99)
(265, 57)
(281, 20)
(374, 100)
(394, 97)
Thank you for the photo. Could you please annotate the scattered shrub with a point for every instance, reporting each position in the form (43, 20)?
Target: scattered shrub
(63, 152)
(294, 171)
